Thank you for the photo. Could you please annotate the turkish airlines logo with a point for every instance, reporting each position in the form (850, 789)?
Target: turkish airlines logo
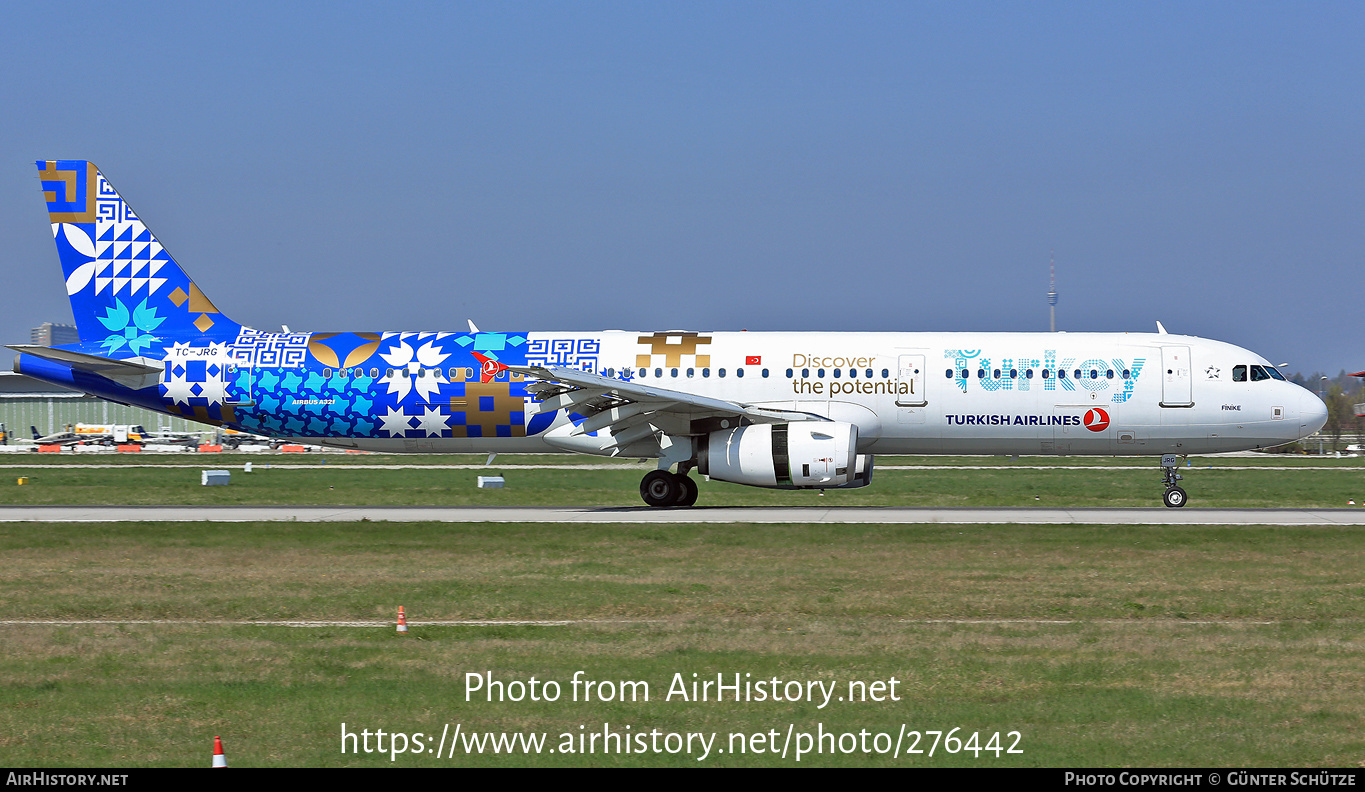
(488, 369)
(1096, 420)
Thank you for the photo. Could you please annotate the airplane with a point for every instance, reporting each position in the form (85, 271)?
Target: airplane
(779, 410)
(56, 438)
(112, 434)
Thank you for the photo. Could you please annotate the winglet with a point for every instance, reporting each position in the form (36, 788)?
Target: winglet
(1161, 330)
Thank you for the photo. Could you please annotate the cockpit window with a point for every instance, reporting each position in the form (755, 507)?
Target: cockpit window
(1239, 373)
(1274, 372)
(1259, 373)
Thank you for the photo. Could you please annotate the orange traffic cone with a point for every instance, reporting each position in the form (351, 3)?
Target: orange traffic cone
(402, 622)
(219, 760)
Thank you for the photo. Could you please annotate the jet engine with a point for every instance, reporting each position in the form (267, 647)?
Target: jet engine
(802, 455)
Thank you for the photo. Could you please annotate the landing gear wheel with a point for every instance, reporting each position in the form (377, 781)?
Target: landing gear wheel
(659, 488)
(1174, 497)
(687, 491)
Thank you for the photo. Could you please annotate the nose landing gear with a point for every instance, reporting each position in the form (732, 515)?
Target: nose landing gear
(1174, 496)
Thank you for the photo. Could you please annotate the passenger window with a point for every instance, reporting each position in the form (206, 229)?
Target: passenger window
(1094, 374)
(836, 373)
(658, 372)
(706, 372)
(886, 373)
(374, 373)
(739, 372)
(1061, 373)
(644, 373)
(327, 373)
(869, 373)
(805, 373)
(1046, 374)
(997, 374)
(721, 372)
(948, 373)
(1239, 373)
(765, 372)
(1028, 373)
(853, 373)
(820, 373)
(1109, 374)
(980, 373)
(1126, 372)
(789, 373)
(691, 373)
(1078, 373)
(674, 372)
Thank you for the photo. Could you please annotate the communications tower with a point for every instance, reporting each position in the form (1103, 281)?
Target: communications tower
(1052, 290)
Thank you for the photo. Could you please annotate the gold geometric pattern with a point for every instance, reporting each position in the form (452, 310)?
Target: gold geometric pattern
(178, 297)
(203, 323)
(50, 173)
(199, 303)
(673, 346)
(504, 404)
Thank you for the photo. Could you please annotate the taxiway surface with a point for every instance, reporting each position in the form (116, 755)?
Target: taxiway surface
(754, 515)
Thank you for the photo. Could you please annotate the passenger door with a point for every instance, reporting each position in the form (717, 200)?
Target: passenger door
(1175, 377)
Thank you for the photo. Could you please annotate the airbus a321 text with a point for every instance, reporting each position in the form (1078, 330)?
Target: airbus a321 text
(784, 410)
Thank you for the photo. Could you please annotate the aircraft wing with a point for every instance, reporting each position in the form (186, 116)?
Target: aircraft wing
(129, 373)
(631, 410)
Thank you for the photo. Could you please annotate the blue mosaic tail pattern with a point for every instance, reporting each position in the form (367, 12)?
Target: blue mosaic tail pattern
(127, 293)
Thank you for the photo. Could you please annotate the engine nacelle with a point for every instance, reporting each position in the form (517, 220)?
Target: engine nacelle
(806, 454)
(862, 472)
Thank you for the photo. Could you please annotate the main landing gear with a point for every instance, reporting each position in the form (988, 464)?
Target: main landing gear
(1175, 496)
(661, 488)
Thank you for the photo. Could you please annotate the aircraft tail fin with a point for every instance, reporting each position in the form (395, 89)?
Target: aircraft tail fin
(126, 291)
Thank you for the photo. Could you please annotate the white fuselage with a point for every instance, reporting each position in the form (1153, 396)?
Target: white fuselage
(968, 393)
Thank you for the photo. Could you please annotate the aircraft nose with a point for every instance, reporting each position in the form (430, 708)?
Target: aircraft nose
(1312, 413)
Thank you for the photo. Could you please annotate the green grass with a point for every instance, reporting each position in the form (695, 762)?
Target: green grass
(1213, 483)
(1137, 646)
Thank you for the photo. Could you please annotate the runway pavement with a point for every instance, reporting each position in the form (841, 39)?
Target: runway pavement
(755, 515)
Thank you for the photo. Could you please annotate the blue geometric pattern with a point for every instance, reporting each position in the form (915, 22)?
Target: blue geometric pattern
(111, 261)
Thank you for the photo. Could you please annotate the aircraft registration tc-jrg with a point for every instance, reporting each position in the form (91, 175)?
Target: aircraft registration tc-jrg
(783, 410)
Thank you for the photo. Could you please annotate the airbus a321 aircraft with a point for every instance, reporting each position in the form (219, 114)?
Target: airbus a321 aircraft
(783, 410)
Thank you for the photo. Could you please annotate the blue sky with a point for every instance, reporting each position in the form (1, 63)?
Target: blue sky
(714, 166)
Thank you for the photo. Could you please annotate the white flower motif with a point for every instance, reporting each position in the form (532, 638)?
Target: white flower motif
(402, 357)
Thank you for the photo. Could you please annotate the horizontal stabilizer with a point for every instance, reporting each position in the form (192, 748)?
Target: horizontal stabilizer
(128, 373)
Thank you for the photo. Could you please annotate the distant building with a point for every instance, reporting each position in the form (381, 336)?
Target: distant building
(52, 334)
(26, 402)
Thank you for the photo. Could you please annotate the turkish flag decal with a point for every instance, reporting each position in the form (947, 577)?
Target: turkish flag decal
(753, 360)
(1096, 420)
